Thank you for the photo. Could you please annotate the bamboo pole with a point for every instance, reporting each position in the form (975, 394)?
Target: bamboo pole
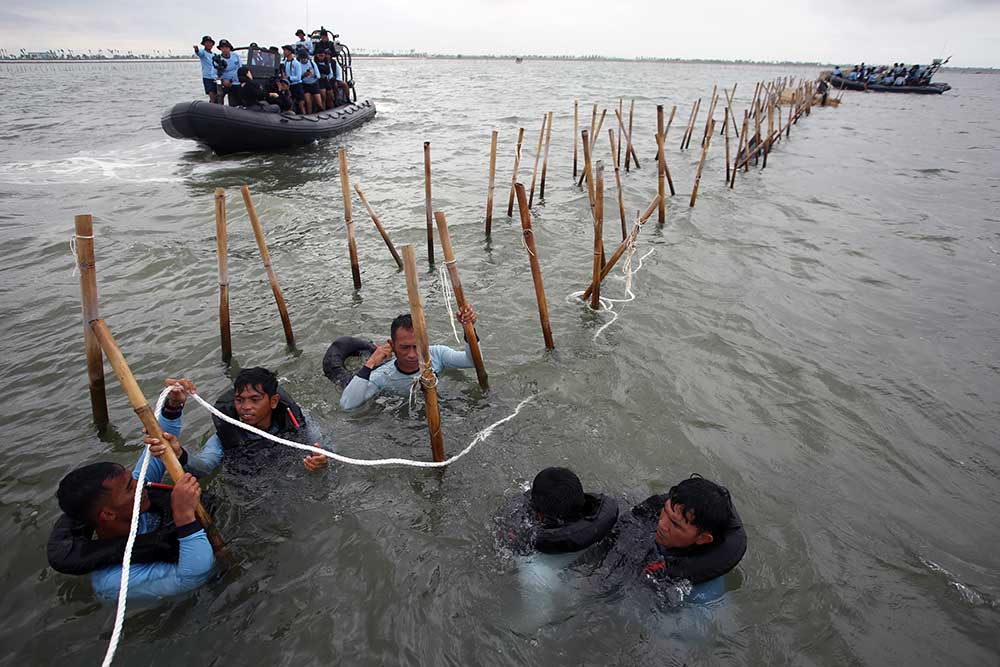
(729, 103)
(258, 233)
(711, 111)
(379, 227)
(595, 296)
(694, 123)
(456, 286)
(687, 127)
(145, 414)
(615, 152)
(623, 246)
(536, 270)
(757, 112)
(545, 160)
(576, 130)
(661, 212)
(427, 208)
(630, 147)
(593, 143)
(345, 186)
(666, 167)
(725, 129)
(84, 240)
(740, 145)
(513, 178)
(587, 173)
(621, 110)
(489, 193)
(770, 131)
(222, 250)
(593, 120)
(538, 156)
(428, 381)
(701, 162)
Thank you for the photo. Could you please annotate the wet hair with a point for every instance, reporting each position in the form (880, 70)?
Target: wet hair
(403, 321)
(557, 493)
(707, 505)
(82, 492)
(254, 378)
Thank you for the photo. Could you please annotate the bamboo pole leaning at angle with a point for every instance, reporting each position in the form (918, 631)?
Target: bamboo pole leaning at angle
(587, 175)
(456, 285)
(538, 155)
(351, 246)
(687, 127)
(621, 110)
(379, 227)
(84, 241)
(595, 295)
(666, 167)
(536, 270)
(623, 246)
(272, 278)
(222, 250)
(661, 214)
(427, 206)
(145, 414)
(694, 123)
(545, 159)
(428, 381)
(489, 192)
(576, 130)
(593, 143)
(629, 146)
(615, 152)
(513, 178)
(711, 111)
(701, 162)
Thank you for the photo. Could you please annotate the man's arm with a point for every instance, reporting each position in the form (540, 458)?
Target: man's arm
(443, 357)
(361, 387)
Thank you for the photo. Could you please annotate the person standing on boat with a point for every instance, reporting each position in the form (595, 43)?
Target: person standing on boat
(310, 82)
(377, 376)
(837, 72)
(325, 44)
(304, 42)
(293, 72)
(229, 75)
(205, 55)
(326, 76)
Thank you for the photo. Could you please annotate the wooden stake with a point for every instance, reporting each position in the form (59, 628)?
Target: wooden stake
(621, 110)
(427, 208)
(428, 381)
(576, 130)
(741, 145)
(84, 241)
(456, 286)
(629, 147)
(661, 214)
(623, 246)
(513, 178)
(770, 131)
(345, 186)
(701, 162)
(538, 155)
(545, 160)
(379, 227)
(694, 123)
(615, 151)
(272, 278)
(725, 128)
(593, 120)
(145, 414)
(593, 142)
(711, 111)
(222, 249)
(587, 173)
(687, 127)
(489, 193)
(595, 296)
(536, 271)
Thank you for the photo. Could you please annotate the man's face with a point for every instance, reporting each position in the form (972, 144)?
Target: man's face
(225, 51)
(120, 494)
(404, 346)
(254, 406)
(675, 531)
(208, 45)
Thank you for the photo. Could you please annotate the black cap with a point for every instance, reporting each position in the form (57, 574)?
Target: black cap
(300, 31)
(225, 42)
(207, 38)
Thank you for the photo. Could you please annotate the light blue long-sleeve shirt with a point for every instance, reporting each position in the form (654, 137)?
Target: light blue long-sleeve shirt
(309, 66)
(306, 43)
(388, 377)
(207, 66)
(233, 63)
(293, 70)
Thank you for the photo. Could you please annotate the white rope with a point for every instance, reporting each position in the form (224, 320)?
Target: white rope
(72, 250)
(607, 304)
(449, 293)
(127, 559)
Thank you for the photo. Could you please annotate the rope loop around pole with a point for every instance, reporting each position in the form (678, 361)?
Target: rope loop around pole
(524, 234)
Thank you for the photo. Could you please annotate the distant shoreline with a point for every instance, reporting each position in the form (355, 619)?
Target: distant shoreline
(662, 61)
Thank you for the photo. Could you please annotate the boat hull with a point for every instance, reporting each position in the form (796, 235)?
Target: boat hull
(929, 89)
(228, 129)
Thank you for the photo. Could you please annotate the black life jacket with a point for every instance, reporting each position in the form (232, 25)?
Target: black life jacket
(72, 550)
(699, 563)
(233, 437)
(520, 530)
(323, 67)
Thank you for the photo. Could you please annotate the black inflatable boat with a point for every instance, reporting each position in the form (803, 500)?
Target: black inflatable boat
(234, 129)
(929, 89)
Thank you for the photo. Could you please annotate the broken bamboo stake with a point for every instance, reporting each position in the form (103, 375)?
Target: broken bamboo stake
(427, 208)
(538, 156)
(84, 242)
(222, 251)
(623, 246)
(428, 381)
(272, 278)
(345, 186)
(595, 295)
(536, 270)
(489, 192)
(456, 285)
(545, 159)
(513, 178)
(379, 227)
(701, 162)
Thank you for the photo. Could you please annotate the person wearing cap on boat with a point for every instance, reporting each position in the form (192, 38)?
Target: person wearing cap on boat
(310, 81)
(282, 97)
(377, 375)
(304, 42)
(208, 73)
(292, 69)
(229, 75)
(325, 43)
(256, 400)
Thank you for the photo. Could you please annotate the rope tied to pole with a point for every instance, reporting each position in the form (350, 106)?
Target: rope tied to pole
(524, 233)
(422, 380)
(72, 251)
(448, 292)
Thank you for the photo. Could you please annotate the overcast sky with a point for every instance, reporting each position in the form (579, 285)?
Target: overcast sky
(806, 30)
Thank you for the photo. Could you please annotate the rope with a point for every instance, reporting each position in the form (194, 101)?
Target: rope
(524, 233)
(448, 292)
(421, 380)
(132, 531)
(607, 304)
(72, 250)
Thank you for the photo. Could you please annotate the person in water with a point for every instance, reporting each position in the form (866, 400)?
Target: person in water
(208, 73)
(99, 498)
(256, 400)
(377, 376)
(292, 69)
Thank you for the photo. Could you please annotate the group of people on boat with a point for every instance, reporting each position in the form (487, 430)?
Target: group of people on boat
(692, 532)
(896, 75)
(308, 80)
